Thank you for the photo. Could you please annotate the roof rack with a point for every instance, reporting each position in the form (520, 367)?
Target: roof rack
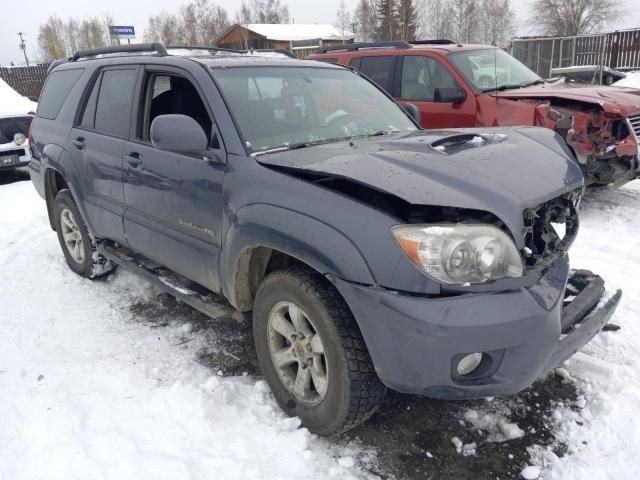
(134, 48)
(283, 51)
(360, 45)
(435, 41)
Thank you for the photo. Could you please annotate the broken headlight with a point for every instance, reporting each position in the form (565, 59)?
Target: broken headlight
(459, 254)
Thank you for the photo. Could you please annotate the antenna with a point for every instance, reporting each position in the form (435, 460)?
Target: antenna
(23, 46)
(495, 72)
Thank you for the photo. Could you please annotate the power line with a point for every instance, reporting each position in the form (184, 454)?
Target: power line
(23, 47)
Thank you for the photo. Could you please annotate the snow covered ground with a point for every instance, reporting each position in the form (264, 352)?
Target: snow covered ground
(86, 392)
(90, 390)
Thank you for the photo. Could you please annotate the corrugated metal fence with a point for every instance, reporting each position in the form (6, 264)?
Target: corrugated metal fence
(619, 50)
(27, 81)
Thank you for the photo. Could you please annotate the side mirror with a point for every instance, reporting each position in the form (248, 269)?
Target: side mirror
(178, 133)
(412, 111)
(448, 95)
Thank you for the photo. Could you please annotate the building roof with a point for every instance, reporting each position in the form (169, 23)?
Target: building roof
(291, 32)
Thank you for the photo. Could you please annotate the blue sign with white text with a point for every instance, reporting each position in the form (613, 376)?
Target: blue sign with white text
(122, 30)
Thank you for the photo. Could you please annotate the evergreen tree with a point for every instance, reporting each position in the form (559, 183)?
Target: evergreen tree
(386, 11)
(406, 14)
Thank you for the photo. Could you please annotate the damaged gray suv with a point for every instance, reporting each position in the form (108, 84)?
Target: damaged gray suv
(368, 253)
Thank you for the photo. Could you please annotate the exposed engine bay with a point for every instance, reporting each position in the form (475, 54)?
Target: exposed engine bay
(605, 144)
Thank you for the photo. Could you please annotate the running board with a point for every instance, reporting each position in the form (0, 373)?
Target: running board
(170, 282)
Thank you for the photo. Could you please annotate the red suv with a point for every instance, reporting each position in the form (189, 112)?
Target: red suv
(456, 85)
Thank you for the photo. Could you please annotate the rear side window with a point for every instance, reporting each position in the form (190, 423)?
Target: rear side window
(379, 69)
(55, 92)
(89, 114)
(113, 109)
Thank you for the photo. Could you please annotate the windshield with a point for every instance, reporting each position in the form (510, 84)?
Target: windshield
(493, 69)
(292, 107)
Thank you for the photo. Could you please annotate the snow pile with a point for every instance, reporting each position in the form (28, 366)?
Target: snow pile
(496, 426)
(632, 80)
(12, 103)
(87, 392)
(602, 429)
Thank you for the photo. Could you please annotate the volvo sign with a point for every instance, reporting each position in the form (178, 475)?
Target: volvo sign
(122, 31)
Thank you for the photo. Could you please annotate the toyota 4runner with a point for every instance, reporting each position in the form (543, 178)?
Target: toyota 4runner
(369, 253)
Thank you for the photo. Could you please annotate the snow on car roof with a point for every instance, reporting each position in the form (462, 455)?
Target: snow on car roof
(12, 103)
(296, 31)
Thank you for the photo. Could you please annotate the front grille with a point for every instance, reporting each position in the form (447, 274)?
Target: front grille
(634, 121)
(9, 126)
(543, 244)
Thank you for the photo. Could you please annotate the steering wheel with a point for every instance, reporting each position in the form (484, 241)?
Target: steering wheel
(338, 118)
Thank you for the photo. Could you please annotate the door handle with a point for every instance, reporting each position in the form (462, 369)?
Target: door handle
(134, 159)
(78, 143)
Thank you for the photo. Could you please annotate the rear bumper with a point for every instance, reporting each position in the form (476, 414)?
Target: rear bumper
(416, 342)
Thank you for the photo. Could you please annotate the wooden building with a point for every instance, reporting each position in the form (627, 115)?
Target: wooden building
(301, 39)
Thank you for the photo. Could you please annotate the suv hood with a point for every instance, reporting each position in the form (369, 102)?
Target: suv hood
(620, 100)
(502, 171)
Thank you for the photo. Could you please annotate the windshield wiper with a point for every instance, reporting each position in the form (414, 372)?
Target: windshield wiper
(513, 86)
(295, 146)
(535, 82)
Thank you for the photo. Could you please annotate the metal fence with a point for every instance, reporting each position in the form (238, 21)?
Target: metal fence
(27, 81)
(619, 50)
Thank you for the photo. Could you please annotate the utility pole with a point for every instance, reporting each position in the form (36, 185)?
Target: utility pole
(23, 47)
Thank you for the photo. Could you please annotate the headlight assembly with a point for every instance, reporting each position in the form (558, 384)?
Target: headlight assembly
(458, 254)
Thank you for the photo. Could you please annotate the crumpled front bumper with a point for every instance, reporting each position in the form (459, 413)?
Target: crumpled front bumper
(415, 342)
(584, 313)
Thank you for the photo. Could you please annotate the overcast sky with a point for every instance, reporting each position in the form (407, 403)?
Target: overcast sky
(128, 12)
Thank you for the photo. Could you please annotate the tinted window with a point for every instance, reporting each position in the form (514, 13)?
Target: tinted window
(113, 111)
(421, 76)
(89, 114)
(55, 92)
(379, 69)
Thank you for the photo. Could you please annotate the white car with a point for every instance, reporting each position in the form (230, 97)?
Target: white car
(16, 113)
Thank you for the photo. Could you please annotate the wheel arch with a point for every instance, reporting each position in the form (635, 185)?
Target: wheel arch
(59, 174)
(252, 249)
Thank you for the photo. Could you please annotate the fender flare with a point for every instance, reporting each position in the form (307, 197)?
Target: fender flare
(56, 158)
(309, 240)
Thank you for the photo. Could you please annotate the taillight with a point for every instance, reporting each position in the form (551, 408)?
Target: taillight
(29, 136)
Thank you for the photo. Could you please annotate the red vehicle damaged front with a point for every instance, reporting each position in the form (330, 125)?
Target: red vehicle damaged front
(600, 124)
(462, 86)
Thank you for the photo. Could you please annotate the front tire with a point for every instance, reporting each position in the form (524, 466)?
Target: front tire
(78, 245)
(312, 353)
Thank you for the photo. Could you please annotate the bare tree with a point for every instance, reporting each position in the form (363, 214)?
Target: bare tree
(365, 21)
(466, 20)
(202, 22)
(51, 39)
(498, 22)
(435, 19)
(264, 11)
(163, 28)
(573, 17)
(343, 21)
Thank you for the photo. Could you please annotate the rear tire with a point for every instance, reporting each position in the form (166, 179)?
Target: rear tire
(78, 245)
(312, 353)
